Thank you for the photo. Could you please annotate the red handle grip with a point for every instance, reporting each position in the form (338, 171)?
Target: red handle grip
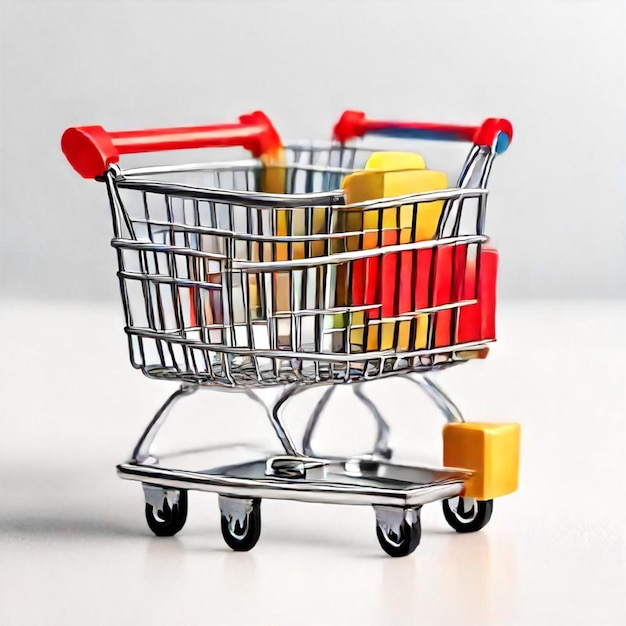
(355, 124)
(91, 149)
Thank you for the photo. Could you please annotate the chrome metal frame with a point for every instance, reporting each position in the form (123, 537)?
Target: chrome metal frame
(381, 447)
(199, 272)
(305, 475)
(194, 310)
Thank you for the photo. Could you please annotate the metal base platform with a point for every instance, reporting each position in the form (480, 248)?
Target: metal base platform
(396, 491)
(342, 481)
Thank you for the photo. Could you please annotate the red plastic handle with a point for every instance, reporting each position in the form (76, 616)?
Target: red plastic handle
(91, 149)
(356, 124)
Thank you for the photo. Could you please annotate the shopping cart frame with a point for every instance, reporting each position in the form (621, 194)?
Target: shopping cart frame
(396, 492)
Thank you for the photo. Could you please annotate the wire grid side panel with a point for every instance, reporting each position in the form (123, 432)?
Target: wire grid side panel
(333, 155)
(310, 168)
(182, 296)
(235, 176)
(191, 315)
(408, 300)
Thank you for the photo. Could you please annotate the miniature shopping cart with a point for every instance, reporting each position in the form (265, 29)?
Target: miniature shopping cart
(265, 275)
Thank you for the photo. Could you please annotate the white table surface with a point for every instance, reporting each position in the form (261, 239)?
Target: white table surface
(74, 547)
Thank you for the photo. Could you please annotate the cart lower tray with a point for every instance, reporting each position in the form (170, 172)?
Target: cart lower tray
(343, 481)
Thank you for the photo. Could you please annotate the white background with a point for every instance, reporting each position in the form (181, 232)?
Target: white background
(74, 547)
(555, 68)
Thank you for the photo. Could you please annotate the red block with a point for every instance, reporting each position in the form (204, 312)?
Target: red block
(477, 322)
(403, 282)
(440, 279)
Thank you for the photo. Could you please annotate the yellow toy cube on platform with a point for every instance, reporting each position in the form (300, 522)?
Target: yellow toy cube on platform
(491, 451)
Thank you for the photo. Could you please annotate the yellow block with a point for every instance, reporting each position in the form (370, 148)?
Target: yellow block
(298, 227)
(374, 184)
(386, 161)
(386, 330)
(273, 180)
(492, 451)
(273, 173)
(391, 161)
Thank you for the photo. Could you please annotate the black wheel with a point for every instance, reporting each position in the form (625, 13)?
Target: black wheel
(167, 520)
(467, 515)
(241, 530)
(399, 536)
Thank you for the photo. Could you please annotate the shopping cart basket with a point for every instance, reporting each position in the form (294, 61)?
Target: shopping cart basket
(258, 273)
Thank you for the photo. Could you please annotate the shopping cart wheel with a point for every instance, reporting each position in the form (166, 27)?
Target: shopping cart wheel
(241, 522)
(467, 515)
(399, 530)
(166, 511)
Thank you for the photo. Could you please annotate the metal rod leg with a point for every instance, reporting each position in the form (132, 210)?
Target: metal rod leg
(312, 423)
(450, 410)
(274, 417)
(381, 448)
(141, 453)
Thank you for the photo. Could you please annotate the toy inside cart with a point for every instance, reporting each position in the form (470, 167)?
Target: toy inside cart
(309, 264)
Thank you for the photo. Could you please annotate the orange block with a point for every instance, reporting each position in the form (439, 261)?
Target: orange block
(491, 451)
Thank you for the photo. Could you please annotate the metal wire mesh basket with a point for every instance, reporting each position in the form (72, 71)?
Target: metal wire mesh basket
(269, 271)
(224, 283)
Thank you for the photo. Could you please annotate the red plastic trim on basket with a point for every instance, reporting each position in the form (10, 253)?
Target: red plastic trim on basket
(91, 149)
(354, 124)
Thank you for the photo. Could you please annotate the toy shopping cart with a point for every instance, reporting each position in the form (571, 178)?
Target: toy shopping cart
(309, 264)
